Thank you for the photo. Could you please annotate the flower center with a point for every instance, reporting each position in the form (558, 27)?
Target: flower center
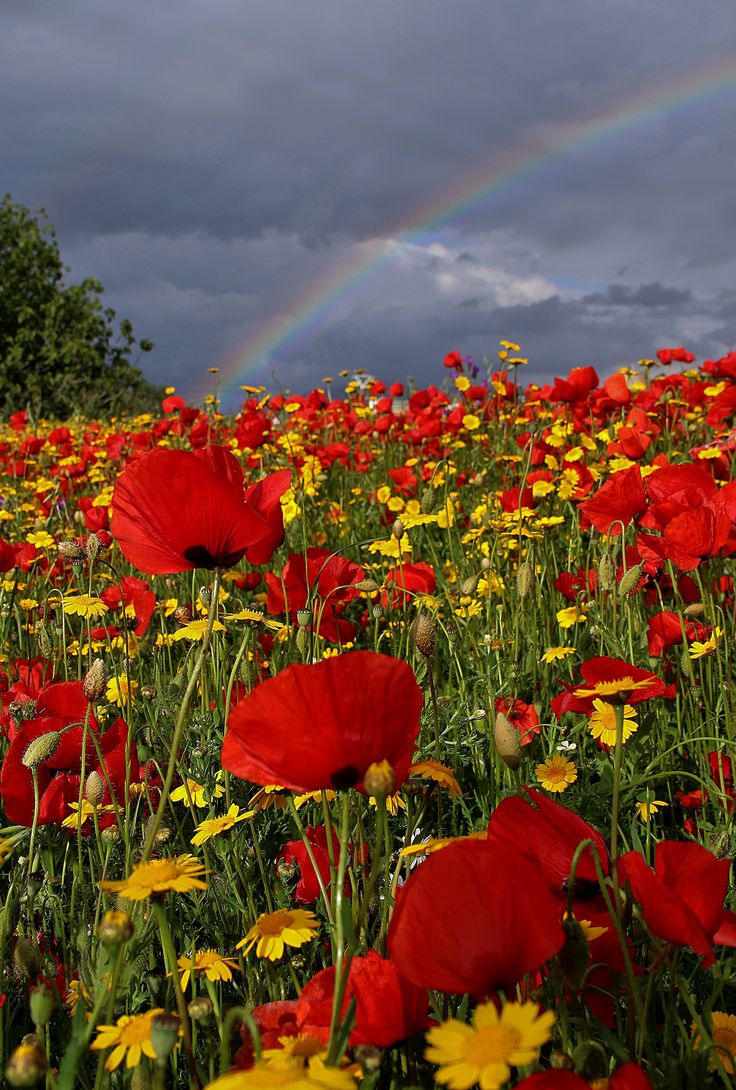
(135, 1032)
(494, 1044)
(275, 923)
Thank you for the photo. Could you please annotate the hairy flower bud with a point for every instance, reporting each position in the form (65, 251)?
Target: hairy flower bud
(469, 585)
(524, 578)
(42, 1001)
(423, 634)
(695, 609)
(95, 681)
(94, 788)
(40, 749)
(26, 1064)
(398, 530)
(92, 547)
(114, 928)
(629, 580)
(182, 614)
(506, 740)
(71, 550)
(607, 572)
(200, 1008)
(367, 586)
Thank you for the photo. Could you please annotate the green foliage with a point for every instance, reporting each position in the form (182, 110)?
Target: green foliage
(60, 353)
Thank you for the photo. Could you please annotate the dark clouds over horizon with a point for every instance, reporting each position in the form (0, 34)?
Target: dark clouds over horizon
(213, 163)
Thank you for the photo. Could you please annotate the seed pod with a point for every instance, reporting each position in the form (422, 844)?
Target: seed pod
(629, 580)
(423, 634)
(303, 616)
(164, 1032)
(200, 1008)
(506, 740)
(607, 572)
(42, 1001)
(26, 1064)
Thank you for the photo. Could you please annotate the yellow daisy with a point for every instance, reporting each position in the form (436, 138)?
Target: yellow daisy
(556, 774)
(129, 1038)
(205, 963)
(177, 874)
(82, 605)
(602, 722)
(485, 1051)
(441, 774)
(192, 793)
(214, 826)
(273, 930)
(556, 654)
(723, 1036)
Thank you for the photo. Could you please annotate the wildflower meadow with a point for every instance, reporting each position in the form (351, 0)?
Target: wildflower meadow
(374, 738)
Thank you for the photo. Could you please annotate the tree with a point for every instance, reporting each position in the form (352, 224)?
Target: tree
(60, 353)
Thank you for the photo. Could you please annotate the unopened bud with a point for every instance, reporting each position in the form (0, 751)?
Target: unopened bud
(427, 502)
(26, 1065)
(485, 563)
(524, 578)
(607, 572)
(148, 692)
(40, 749)
(200, 1008)
(164, 1031)
(302, 640)
(95, 681)
(369, 1057)
(45, 644)
(379, 780)
(574, 957)
(367, 586)
(469, 585)
(71, 550)
(42, 1001)
(629, 580)
(94, 788)
(92, 547)
(560, 1061)
(183, 614)
(398, 529)
(110, 834)
(26, 960)
(695, 609)
(506, 739)
(114, 928)
(423, 634)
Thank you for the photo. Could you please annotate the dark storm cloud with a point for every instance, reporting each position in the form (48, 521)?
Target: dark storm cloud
(210, 163)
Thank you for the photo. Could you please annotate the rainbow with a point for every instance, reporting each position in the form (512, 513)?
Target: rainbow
(306, 313)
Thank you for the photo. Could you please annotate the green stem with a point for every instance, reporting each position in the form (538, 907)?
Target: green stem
(167, 944)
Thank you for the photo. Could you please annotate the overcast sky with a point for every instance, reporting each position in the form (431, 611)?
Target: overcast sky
(226, 167)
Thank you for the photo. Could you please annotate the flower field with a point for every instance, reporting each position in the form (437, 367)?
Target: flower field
(375, 737)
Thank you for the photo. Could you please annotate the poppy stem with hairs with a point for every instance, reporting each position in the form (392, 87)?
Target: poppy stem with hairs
(181, 719)
(342, 958)
(617, 759)
(167, 944)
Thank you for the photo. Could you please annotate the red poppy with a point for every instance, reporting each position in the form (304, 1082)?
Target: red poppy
(320, 579)
(611, 680)
(174, 510)
(628, 1077)
(681, 900)
(453, 360)
(273, 1021)
(321, 726)
(551, 836)
(474, 917)
(619, 500)
(523, 717)
(59, 774)
(294, 854)
(389, 1008)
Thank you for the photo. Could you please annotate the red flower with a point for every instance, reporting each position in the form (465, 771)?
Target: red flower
(59, 774)
(628, 1077)
(388, 1007)
(273, 1021)
(320, 578)
(523, 717)
(294, 853)
(474, 917)
(682, 898)
(174, 510)
(619, 500)
(611, 680)
(551, 836)
(321, 726)
(453, 360)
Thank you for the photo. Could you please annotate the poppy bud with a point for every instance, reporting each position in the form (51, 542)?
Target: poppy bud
(164, 1031)
(114, 928)
(607, 572)
(301, 640)
(485, 563)
(367, 586)
(524, 579)
(398, 529)
(182, 614)
(377, 611)
(94, 788)
(92, 547)
(148, 692)
(45, 645)
(427, 502)
(507, 742)
(95, 681)
(42, 1001)
(26, 1064)
(40, 749)
(423, 633)
(110, 834)
(469, 585)
(560, 1061)
(628, 581)
(25, 959)
(200, 1008)
(379, 780)
(695, 609)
